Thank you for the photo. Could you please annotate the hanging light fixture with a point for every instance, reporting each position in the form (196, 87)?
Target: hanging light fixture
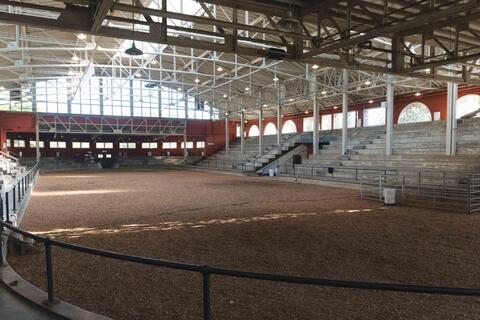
(133, 50)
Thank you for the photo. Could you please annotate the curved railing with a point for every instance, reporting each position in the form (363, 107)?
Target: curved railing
(207, 271)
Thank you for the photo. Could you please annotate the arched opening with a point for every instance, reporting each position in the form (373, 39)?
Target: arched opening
(415, 112)
(467, 105)
(289, 127)
(253, 131)
(270, 129)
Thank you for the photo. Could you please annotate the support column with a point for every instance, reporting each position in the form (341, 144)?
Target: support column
(185, 151)
(344, 111)
(316, 113)
(227, 136)
(281, 95)
(451, 139)
(242, 132)
(389, 125)
(37, 137)
(260, 129)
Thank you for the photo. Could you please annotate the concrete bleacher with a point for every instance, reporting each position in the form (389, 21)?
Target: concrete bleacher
(417, 146)
(251, 159)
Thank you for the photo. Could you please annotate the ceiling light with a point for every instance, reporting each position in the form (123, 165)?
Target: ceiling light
(219, 69)
(291, 99)
(197, 80)
(315, 66)
(370, 101)
(368, 82)
(226, 113)
(306, 112)
(133, 51)
(82, 36)
(247, 89)
(243, 110)
(138, 75)
(154, 62)
(418, 94)
(75, 58)
(335, 108)
(275, 79)
(264, 105)
(324, 92)
(225, 96)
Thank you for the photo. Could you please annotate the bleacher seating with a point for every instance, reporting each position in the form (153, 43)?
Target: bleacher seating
(418, 146)
(251, 158)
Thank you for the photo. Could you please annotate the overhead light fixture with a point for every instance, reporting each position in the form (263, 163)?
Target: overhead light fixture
(133, 50)
(291, 99)
(418, 94)
(315, 66)
(155, 62)
(335, 108)
(243, 110)
(138, 75)
(247, 89)
(75, 58)
(225, 96)
(197, 80)
(275, 79)
(82, 36)
(226, 113)
(370, 101)
(264, 105)
(306, 112)
(219, 69)
(323, 92)
(368, 82)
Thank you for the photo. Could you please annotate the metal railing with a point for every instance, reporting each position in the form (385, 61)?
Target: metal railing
(11, 198)
(207, 271)
(333, 173)
(457, 191)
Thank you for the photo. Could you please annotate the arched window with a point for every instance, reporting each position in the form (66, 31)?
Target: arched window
(270, 129)
(468, 104)
(415, 112)
(253, 131)
(289, 127)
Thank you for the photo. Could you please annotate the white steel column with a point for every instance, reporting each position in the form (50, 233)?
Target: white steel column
(185, 151)
(260, 129)
(227, 136)
(242, 132)
(451, 143)
(344, 111)
(316, 113)
(37, 137)
(281, 95)
(389, 125)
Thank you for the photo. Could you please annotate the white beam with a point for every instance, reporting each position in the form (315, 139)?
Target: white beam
(389, 125)
(344, 111)
(450, 143)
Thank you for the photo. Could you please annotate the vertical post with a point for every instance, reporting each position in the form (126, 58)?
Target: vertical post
(389, 125)
(37, 137)
(450, 143)
(185, 151)
(48, 260)
(227, 135)
(242, 132)
(316, 113)
(344, 111)
(281, 94)
(260, 126)
(206, 296)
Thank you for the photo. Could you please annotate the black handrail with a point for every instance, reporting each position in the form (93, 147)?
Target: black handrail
(207, 271)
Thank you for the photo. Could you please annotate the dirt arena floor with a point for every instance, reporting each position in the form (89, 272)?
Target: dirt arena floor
(252, 224)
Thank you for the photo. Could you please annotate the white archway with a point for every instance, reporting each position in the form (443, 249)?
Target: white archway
(270, 129)
(415, 112)
(289, 127)
(467, 104)
(253, 131)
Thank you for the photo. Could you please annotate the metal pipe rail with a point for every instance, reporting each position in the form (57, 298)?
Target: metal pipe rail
(207, 271)
(16, 193)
